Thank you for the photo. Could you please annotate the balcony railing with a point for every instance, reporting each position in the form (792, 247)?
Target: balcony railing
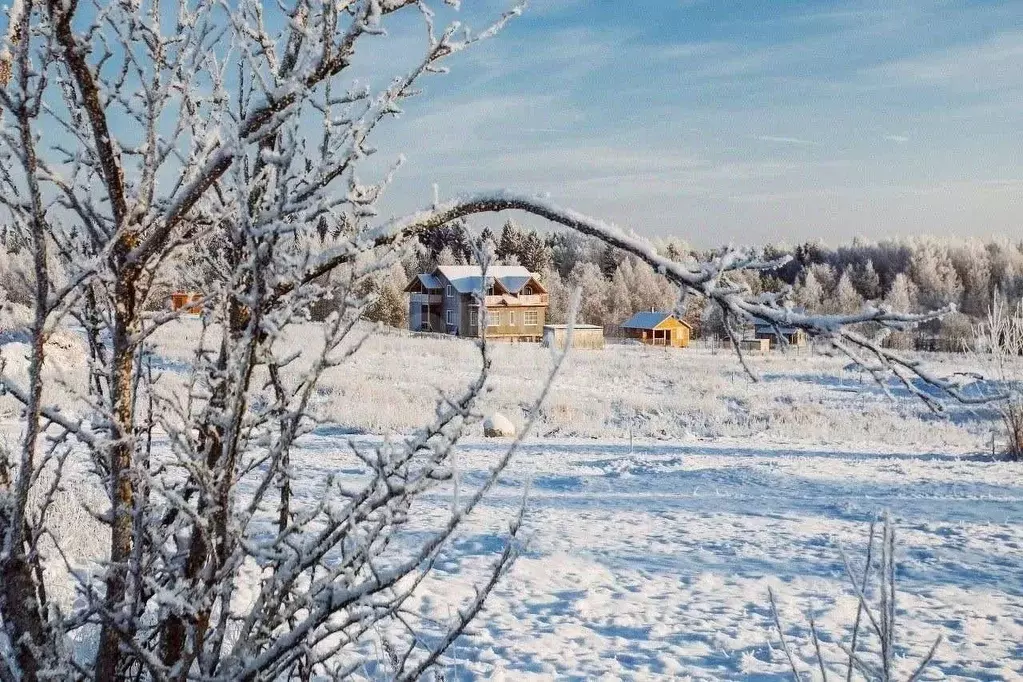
(507, 299)
(426, 299)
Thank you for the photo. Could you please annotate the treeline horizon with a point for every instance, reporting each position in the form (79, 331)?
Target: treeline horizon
(905, 273)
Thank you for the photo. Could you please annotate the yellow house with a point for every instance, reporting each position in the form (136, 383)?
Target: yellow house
(658, 329)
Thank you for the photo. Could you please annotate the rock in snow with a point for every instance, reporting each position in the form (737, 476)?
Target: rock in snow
(497, 426)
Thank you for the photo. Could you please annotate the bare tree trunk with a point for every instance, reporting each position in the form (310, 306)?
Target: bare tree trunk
(122, 488)
(219, 442)
(97, 352)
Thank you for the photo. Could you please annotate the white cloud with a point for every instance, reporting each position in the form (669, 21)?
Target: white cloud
(654, 135)
(784, 140)
(995, 64)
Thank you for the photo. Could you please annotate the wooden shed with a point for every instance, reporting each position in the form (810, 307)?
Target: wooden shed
(781, 334)
(189, 300)
(583, 336)
(755, 345)
(658, 329)
(791, 336)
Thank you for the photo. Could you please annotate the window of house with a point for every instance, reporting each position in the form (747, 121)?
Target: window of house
(527, 291)
(493, 319)
(532, 318)
(474, 317)
(511, 319)
(449, 316)
(451, 291)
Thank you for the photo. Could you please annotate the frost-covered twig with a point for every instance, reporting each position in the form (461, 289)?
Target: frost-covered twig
(781, 636)
(859, 604)
(883, 622)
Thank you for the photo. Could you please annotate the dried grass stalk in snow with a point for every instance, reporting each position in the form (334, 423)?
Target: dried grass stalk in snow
(873, 626)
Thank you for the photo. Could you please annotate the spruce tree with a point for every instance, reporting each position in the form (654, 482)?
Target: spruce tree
(509, 247)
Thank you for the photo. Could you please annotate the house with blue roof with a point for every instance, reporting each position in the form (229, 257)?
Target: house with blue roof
(455, 299)
(658, 329)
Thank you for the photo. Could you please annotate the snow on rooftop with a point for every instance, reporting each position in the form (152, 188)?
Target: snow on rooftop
(468, 278)
(575, 326)
(646, 320)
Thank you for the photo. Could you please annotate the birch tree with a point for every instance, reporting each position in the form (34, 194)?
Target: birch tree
(132, 131)
(846, 298)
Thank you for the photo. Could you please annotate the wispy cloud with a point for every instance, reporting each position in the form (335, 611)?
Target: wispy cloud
(784, 140)
(992, 64)
(683, 114)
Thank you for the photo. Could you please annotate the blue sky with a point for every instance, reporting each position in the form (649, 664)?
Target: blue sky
(728, 121)
(723, 121)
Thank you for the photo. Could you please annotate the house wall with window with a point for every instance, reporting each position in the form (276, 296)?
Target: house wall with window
(516, 321)
(451, 307)
(424, 310)
(469, 316)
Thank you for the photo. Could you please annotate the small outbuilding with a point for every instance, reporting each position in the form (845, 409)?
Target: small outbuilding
(588, 336)
(658, 329)
(791, 336)
(755, 345)
(190, 301)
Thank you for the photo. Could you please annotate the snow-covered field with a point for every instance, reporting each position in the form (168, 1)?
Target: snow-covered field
(653, 561)
(666, 493)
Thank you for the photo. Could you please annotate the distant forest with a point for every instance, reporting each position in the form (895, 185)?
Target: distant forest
(910, 274)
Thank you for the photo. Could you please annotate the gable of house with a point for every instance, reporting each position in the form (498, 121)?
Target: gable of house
(506, 279)
(518, 284)
(422, 283)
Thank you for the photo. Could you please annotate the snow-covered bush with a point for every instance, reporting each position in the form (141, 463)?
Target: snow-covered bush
(15, 319)
(1000, 342)
(15, 276)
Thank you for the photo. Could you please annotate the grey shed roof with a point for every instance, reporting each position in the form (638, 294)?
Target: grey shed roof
(645, 320)
(763, 326)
